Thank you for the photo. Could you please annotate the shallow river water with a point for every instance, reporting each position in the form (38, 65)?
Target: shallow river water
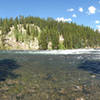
(27, 75)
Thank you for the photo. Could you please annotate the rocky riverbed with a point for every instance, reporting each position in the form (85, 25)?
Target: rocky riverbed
(49, 77)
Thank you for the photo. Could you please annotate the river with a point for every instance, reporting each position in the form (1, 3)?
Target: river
(50, 75)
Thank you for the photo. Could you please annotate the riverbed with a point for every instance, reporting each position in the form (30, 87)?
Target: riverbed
(50, 75)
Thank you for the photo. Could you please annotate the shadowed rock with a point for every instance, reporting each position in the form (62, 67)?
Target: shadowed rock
(91, 66)
(6, 69)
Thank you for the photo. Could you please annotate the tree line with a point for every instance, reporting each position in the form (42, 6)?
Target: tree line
(75, 36)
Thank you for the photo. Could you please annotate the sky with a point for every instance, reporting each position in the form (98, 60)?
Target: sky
(86, 12)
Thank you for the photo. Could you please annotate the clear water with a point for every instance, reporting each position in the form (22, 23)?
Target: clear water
(25, 76)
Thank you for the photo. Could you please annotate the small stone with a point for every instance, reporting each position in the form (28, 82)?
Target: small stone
(4, 96)
(80, 98)
(79, 88)
(93, 76)
(62, 91)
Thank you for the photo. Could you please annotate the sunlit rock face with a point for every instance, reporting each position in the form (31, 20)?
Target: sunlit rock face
(12, 43)
(0, 32)
(34, 44)
(61, 39)
(50, 46)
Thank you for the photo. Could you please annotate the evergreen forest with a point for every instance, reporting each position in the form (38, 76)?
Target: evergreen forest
(26, 29)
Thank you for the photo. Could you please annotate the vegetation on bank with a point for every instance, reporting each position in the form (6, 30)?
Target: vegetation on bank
(26, 29)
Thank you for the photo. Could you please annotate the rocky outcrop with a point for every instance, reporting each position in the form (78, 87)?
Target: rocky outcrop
(50, 45)
(61, 39)
(11, 43)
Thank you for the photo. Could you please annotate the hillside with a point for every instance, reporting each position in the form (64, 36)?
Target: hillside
(34, 33)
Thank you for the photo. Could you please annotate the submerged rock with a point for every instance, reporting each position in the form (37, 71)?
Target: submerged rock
(78, 88)
(93, 76)
(80, 98)
(62, 91)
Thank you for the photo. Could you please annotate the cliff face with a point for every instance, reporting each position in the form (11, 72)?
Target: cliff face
(11, 42)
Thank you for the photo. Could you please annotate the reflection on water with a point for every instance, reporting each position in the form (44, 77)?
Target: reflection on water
(49, 77)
